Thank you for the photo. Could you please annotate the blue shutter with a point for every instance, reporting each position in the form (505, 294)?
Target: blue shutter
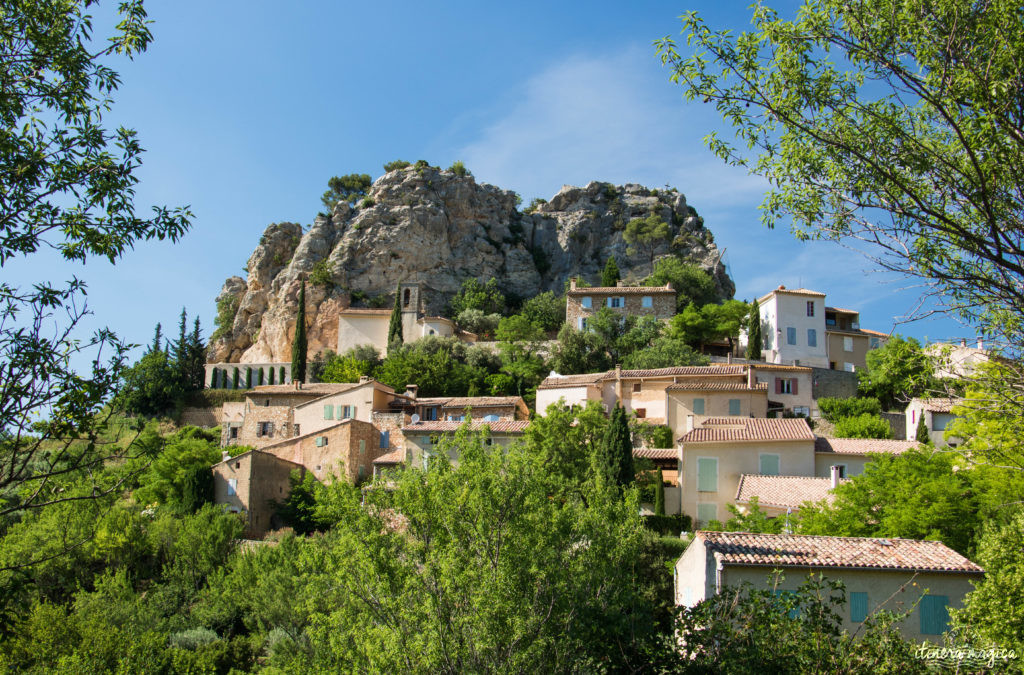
(934, 614)
(791, 335)
(793, 613)
(858, 606)
(328, 412)
(707, 474)
(812, 337)
(698, 406)
(385, 439)
(769, 465)
(734, 407)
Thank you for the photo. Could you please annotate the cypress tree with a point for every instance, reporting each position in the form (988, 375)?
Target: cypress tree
(754, 332)
(617, 450)
(659, 495)
(922, 431)
(299, 341)
(197, 489)
(248, 378)
(213, 379)
(610, 275)
(271, 375)
(234, 381)
(157, 339)
(196, 357)
(281, 375)
(395, 327)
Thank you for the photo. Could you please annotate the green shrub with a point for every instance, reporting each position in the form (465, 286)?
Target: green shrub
(459, 169)
(921, 436)
(322, 275)
(668, 525)
(863, 426)
(834, 409)
(396, 165)
(534, 203)
(193, 638)
(367, 202)
(227, 308)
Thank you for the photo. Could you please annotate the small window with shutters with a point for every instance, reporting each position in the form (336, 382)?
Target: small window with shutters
(585, 302)
(934, 614)
(328, 412)
(858, 606)
(232, 487)
(636, 387)
(641, 413)
(647, 302)
(385, 439)
(362, 447)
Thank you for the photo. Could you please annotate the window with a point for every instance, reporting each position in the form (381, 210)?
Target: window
(636, 387)
(456, 418)
(430, 414)
(934, 614)
(769, 465)
(940, 421)
(810, 308)
(802, 410)
(295, 430)
(232, 487)
(321, 441)
(847, 344)
(362, 447)
(586, 302)
(385, 439)
(858, 606)
(265, 429)
(490, 418)
(616, 302)
(234, 432)
(874, 343)
(706, 513)
(328, 412)
(784, 385)
(647, 301)
(641, 413)
(812, 337)
(707, 474)
(790, 335)
(842, 470)
(848, 367)
(238, 465)
(406, 297)
(346, 412)
(698, 406)
(734, 407)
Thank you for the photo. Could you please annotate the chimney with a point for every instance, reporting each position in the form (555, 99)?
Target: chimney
(225, 456)
(835, 476)
(981, 343)
(620, 283)
(689, 423)
(363, 379)
(572, 283)
(751, 380)
(411, 390)
(728, 358)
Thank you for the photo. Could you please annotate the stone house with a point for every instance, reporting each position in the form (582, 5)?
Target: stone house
(851, 455)
(958, 361)
(790, 388)
(422, 438)
(582, 303)
(937, 414)
(847, 343)
(344, 450)
(925, 578)
(457, 408)
(248, 483)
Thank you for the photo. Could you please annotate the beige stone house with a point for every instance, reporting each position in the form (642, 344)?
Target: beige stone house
(457, 408)
(344, 450)
(248, 483)
(582, 303)
(847, 343)
(715, 454)
(937, 414)
(423, 438)
(851, 455)
(925, 578)
(790, 388)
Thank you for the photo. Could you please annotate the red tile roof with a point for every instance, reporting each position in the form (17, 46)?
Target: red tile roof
(499, 427)
(791, 550)
(553, 382)
(861, 446)
(778, 366)
(366, 310)
(656, 453)
(482, 401)
(744, 429)
(783, 491)
(720, 369)
(716, 386)
(393, 457)
(939, 405)
(316, 389)
(841, 310)
(621, 290)
(876, 333)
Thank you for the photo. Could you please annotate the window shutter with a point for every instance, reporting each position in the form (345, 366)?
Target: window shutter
(778, 385)
(328, 412)
(858, 606)
(707, 474)
(734, 407)
(698, 406)
(769, 465)
(706, 513)
(934, 614)
(793, 382)
(270, 428)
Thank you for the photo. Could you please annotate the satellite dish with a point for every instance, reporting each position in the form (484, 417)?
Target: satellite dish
(415, 418)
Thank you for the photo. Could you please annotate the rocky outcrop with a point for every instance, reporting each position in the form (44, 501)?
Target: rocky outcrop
(438, 228)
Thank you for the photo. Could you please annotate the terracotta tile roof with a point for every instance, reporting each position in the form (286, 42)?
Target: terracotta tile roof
(499, 427)
(560, 381)
(795, 291)
(656, 453)
(482, 401)
(315, 389)
(783, 491)
(716, 386)
(779, 366)
(393, 457)
(861, 446)
(732, 429)
(939, 405)
(622, 290)
(874, 333)
(366, 311)
(841, 310)
(791, 550)
(719, 369)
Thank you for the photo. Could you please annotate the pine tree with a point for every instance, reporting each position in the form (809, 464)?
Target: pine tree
(158, 338)
(196, 357)
(617, 450)
(754, 332)
(610, 276)
(299, 346)
(659, 495)
(395, 327)
(922, 431)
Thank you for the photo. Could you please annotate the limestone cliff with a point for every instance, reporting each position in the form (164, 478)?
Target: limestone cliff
(438, 228)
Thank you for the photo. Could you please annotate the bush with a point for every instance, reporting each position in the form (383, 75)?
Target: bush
(193, 638)
(863, 426)
(534, 203)
(834, 409)
(459, 169)
(367, 202)
(322, 274)
(396, 165)
(668, 525)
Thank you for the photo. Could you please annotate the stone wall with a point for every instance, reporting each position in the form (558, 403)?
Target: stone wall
(391, 422)
(201, 417)
(834, 383)
(898, 422)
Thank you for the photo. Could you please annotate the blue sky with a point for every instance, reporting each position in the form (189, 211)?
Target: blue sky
(246, 109)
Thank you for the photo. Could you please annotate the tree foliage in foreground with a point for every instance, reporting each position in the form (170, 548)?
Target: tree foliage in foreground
(891, 122)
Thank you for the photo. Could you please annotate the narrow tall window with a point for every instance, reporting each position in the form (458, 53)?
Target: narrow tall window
(790, 335)
(858, 606)
(406, 298)
(812, 337)
(810, 308)
(698, 406)
(707, 474)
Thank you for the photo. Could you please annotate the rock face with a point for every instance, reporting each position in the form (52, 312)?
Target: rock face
(438, 228)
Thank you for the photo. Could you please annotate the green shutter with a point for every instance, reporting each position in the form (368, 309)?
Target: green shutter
(858, 606)
(698, 406)
(328, 412)
(706, 513)
(734, 407)
(707, 474)
(934, 614)
(769, 465)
